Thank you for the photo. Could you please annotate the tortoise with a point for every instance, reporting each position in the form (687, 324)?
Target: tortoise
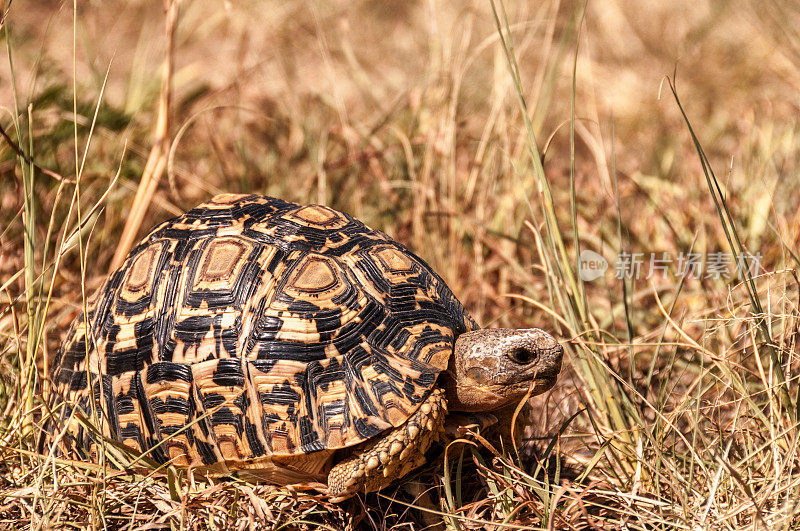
(291, 344)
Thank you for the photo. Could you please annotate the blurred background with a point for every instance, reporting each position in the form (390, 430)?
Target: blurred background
(405, 115)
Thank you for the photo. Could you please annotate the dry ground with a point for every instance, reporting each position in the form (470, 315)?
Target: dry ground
(677, 408)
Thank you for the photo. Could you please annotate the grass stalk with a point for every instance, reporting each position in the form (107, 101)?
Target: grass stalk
(740, 258)
(567, 287)
(672, 413)
(159, 152)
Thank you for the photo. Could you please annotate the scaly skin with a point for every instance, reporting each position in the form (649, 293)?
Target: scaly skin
(392, 456)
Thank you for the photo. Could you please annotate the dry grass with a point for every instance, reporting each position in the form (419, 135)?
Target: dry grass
(678, 408)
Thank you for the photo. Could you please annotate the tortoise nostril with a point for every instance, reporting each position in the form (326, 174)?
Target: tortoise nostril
(522, 356)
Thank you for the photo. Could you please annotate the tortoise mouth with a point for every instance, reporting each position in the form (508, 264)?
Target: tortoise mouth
(550, 373)
(548, 376)
(517, 390)
(541, 383)
(544, 382)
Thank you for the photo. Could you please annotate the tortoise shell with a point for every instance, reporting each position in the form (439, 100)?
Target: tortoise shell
(250, 327)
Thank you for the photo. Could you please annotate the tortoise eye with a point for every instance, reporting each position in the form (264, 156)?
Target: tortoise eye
(521, 356)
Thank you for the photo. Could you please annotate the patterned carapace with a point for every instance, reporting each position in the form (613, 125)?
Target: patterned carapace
(250, 327)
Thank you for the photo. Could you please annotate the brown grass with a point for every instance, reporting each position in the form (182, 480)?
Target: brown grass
(678, 405)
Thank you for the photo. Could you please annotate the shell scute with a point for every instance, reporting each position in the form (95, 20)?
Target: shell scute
(251, 327)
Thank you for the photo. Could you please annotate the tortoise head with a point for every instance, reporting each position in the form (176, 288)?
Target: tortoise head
(495, 367)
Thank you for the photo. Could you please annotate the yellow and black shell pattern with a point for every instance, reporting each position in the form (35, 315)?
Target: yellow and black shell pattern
(250, 327)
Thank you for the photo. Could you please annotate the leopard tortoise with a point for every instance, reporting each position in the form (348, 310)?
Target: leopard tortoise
(290, 343)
